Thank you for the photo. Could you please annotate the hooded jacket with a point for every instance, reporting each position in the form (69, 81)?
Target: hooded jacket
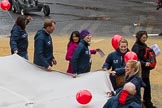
(122, 100)
(81, 61)
(19, 40)
(43, 49)
(115, 60)
(137, 81)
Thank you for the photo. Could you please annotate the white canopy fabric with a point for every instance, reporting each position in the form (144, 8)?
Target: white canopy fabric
(24, 85)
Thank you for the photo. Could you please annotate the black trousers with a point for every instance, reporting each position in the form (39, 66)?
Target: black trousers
(113, 81)
(147, 90)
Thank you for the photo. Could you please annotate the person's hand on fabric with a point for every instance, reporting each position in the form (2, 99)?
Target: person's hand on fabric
(49, 68)
(113, 73)
(15, 52)
(104, 69)
(74, 75)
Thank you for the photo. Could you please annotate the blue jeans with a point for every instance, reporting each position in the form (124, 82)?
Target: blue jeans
(25, 56)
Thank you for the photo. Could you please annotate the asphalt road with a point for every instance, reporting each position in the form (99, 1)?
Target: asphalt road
(101, 17)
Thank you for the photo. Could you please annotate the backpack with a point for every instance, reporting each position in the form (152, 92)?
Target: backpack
(150, 56)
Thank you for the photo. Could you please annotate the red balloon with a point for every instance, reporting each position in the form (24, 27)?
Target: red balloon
(5, 5)
(130, 56)
(83, 96)
(115, 41)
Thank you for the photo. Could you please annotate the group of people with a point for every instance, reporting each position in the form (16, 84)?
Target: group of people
(78, 53)
(43, 47)
(136, 73)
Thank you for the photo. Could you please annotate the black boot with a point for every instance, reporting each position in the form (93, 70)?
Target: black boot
(149, 105)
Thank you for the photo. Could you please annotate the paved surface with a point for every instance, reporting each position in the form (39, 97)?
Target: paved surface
(101, 17)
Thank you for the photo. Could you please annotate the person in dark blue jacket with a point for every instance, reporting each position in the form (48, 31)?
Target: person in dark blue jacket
(19, 37)
(43, 47)
(81, 59)
(124, 99)
(115, 62)
(132, 75)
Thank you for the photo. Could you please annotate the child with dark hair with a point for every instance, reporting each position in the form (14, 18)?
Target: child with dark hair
(81, 59)
(71, 46)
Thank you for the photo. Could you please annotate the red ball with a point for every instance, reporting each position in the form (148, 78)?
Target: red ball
(130, 56)
(83, 96)
(115, 41)
(5, 5)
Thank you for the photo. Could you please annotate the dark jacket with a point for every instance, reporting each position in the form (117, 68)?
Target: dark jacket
(137, 81)
(115, 60)
(43, 49)
(19, 40)
(139, 49)
(81, 61)
(129, 102)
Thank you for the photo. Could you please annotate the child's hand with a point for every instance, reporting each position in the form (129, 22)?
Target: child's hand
(111, 93)
(98, 49)
(100, 52)
(74, 75)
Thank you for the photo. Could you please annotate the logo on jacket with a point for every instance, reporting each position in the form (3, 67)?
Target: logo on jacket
(86, 52)
(115, 61)
(24, 35)
(49, 42)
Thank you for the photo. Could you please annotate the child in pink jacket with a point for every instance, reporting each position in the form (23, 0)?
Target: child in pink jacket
(73, 43)
(71, 46)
